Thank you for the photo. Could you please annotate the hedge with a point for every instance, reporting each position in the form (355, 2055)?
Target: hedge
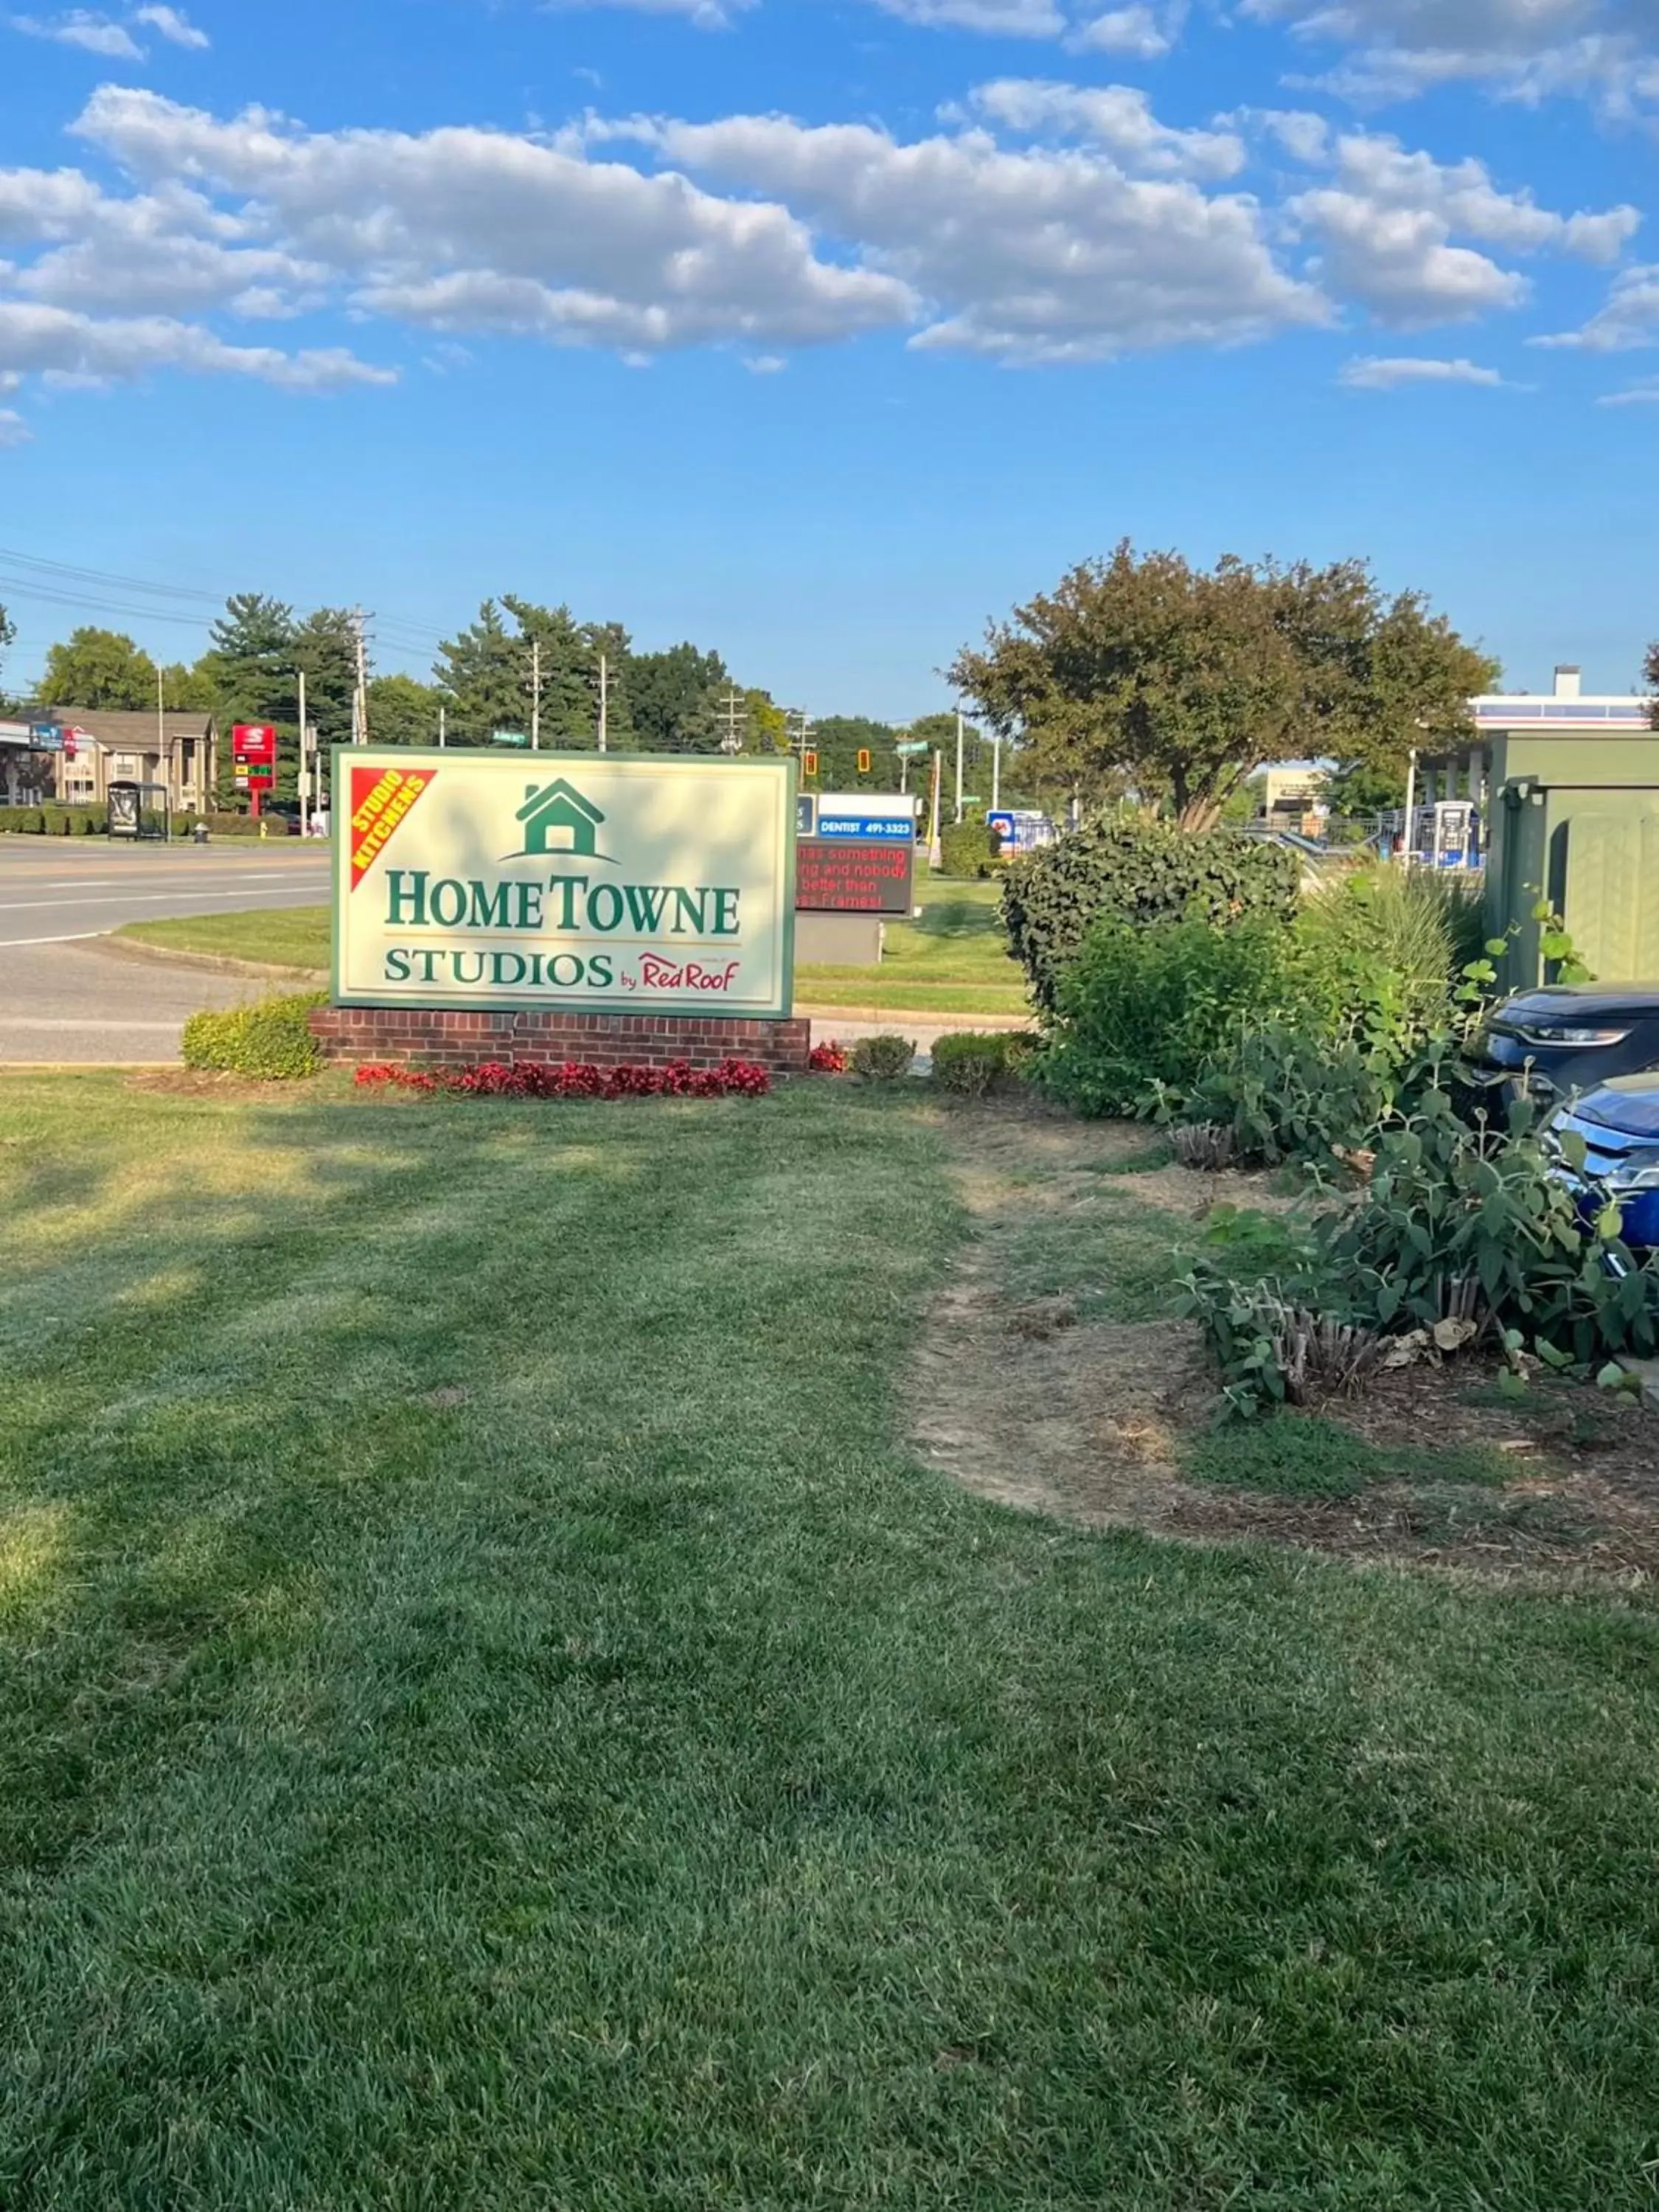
(52, 821)
(970, 1062)
(1136, 869)
(968, 848)
(270, 1041)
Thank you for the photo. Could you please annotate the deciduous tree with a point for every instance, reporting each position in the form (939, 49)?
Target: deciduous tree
(99, 669)
(672, 695)
(1144, 671)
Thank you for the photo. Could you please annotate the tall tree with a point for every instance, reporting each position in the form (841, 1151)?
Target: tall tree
(1649, 676)
(673, 696)
(325, 647)
(8, 637)
(99, 669)
(838, 739)
(253, 650)
(402, 712)
(480, 679)
(193, 690)
(1185, 681)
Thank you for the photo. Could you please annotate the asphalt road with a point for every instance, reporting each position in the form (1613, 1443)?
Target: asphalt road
(69, 997)
(65, 998)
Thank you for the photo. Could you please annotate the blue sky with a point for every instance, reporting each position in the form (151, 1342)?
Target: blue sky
(820, 333)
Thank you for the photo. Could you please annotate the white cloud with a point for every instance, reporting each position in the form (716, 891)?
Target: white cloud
(93, 35)
(1027, 256)
(1644, 394)
(1117, 117)
(174, 25)
(1522, 50)
(1629, 319)
(707, 15)
(1134, 31)
(1384, 228)
(1370, 373)
(461, 229)
(1007, 19)
(53, 342)
(13, 430)
(766, 364)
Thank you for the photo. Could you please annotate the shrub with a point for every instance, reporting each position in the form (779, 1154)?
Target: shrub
(731, 1078)
(22, 821)
(270, 1041)
(969, 848)
(1385, 948)
(828, 1059)
(1277, 1092)
(971, 1062)
(1464, 1225)
(1147, 1007)
(1137, 869)
(881, 1059)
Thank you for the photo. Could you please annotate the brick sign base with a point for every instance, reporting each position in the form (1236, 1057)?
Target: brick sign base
(417, 1037)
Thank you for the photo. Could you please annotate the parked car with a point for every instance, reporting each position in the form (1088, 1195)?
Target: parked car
(1618, 1123)
(1564, 1038)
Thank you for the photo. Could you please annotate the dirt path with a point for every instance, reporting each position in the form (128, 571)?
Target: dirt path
(1055, 1403)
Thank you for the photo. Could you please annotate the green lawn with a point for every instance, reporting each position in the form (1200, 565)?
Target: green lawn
(493, 1716)
(953, 961)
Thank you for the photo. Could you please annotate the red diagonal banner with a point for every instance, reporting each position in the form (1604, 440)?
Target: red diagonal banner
(381, 801)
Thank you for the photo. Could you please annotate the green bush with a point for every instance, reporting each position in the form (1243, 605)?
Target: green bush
(1385, 949)
(970, 1062)
(881, 1059)
(1142, 1010)
(1461, 1224)
(270, 1041)
(1136, 868)
(1283, 1092)
(969, 847)
(20, 821)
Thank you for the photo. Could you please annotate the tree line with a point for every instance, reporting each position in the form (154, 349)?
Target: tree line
(1140, 675)
(517, 665)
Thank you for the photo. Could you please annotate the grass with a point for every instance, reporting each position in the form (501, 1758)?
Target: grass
(954, 961)
(492, 1714)
(1306, 1456)
(1111, 1253)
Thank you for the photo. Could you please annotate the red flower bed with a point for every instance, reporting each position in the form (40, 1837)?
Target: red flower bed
(732, 1079)
(828, 1059)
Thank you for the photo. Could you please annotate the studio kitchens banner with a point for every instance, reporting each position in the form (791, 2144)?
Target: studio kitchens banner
(613, 883)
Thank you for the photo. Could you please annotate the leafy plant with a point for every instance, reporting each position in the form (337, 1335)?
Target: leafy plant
(1132, 867)
(971, 1062)
(969, 848)
(1471, 1223)
(270, 1041)
(1279, 1093)
(883, 1058)
(1151, 1007)
(731, 1078)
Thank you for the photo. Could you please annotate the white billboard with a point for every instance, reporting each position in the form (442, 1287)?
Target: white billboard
(633, 883)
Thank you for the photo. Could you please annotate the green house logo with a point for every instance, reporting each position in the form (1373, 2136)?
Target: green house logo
(557, 819)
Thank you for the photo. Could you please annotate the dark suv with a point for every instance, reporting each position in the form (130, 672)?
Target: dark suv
(1567, 1037)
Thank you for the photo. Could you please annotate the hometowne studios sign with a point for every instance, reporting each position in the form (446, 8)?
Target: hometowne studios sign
(586, 882)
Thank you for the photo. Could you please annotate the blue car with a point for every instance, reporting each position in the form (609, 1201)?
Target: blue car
(1619, 1124)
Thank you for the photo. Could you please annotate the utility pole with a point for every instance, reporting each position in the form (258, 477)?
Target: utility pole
(735, 709)
(996, 770)
(442, 725)
(163, 753)
(535, 695)
(958, 763)
(935, 852)
(360, 696)
(305, 763)
(604, 704)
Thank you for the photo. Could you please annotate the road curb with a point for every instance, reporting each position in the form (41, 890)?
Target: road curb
(212, 964)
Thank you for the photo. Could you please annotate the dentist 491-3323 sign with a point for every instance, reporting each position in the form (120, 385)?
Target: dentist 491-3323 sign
(588, 883)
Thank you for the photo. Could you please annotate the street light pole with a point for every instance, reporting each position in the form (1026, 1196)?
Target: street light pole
(958, 763)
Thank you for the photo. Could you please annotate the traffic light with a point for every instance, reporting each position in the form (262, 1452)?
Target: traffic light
(810, 763)
(864, 763)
